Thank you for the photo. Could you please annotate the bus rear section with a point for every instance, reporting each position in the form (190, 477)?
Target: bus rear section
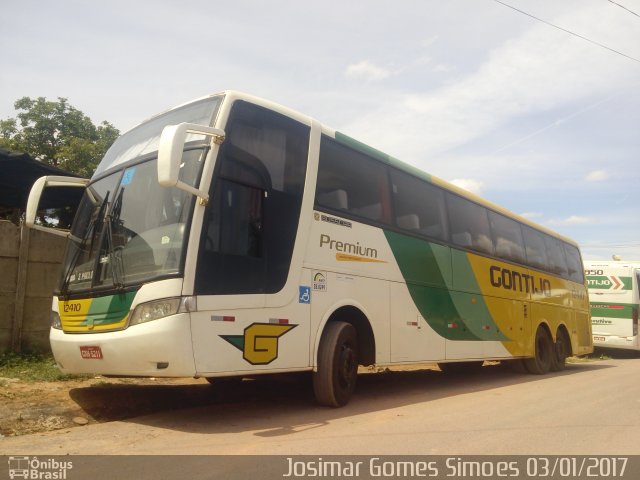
(614, 294)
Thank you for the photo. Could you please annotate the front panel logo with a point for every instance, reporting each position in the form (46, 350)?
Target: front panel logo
(320, 281)
(259, 344)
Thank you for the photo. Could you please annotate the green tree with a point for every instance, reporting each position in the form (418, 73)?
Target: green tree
(58, 134)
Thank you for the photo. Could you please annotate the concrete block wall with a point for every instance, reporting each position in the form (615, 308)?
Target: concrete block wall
(43, 264)
(9, 251)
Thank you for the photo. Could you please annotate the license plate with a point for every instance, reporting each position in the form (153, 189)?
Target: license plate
(598, 339)
(91, 352)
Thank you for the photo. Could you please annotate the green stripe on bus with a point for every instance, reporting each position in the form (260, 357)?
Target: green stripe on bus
(383, 157)
(471, 303)
(428, 287)
(612, 310)
(109, 309)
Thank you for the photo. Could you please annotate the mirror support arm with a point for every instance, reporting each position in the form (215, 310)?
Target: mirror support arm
(170, 152)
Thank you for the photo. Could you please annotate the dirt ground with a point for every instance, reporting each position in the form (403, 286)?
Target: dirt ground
(28, 407)
(31, 407)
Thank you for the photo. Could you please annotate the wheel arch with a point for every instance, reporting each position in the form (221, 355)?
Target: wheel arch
(545, 325)
(355, 315)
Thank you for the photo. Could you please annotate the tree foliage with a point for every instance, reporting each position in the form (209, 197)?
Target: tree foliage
(58, 134)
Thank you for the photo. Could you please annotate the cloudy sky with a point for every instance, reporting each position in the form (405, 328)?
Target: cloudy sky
(526, 114)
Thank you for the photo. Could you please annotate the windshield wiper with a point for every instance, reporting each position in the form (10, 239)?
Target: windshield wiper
(94, 227)
(115, 253)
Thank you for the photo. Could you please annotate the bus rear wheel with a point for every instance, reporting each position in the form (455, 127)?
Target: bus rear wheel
(335, 380)
(544, 352)
(561, 351)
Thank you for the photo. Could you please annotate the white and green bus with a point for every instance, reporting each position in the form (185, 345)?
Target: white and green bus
(614, 293)
(232, 237)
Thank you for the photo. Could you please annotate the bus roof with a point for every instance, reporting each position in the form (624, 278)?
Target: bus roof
(373, 152)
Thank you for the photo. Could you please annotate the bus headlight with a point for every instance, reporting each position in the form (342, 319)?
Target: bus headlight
(147, 312)
(55, 321)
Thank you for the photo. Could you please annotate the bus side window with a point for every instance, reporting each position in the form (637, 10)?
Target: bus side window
(555, 254)
(535, 248)
(469, 224)
(507, 238)
(239, 212)
(351, 182)
(574, 263)
(419, 206)
(250, 229)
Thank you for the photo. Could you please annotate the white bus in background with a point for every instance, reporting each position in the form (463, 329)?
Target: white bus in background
(614, 294)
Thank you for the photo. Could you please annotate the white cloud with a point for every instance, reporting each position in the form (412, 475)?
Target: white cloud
(441, 68)
(367, 71)
(469, 184)
(597, 176)
(541, 70)
(571, 220)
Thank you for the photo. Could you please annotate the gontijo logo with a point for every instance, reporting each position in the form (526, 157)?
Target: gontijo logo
(610, 282)
(259, 344)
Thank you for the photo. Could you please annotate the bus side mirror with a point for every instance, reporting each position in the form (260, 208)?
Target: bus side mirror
(42, 196)
(170, 152)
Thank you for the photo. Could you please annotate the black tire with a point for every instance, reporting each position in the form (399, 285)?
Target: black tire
(461, 367)
(544, 353)
(561, 350)
(335, 380)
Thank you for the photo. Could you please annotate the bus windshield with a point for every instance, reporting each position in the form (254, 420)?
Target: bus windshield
(129, 229)
(145, 138)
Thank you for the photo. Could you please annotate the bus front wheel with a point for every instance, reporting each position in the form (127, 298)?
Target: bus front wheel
(335, 380)
(544, 352)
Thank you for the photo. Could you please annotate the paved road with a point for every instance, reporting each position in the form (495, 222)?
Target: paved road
(590, 408)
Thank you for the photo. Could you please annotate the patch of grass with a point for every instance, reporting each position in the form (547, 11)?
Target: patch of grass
(594, 357)
(31, 367)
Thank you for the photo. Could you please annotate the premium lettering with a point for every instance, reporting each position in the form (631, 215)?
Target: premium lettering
(350, 248)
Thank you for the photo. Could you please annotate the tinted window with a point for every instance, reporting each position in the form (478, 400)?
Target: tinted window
(555, 255)
(507, 238)
(419, 206)
(574, 263)
(535, 248)
(351, 182)
(252, 218)
(469, 224)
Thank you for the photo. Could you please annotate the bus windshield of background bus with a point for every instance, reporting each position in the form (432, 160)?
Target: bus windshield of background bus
(129, 229)
(145, 138)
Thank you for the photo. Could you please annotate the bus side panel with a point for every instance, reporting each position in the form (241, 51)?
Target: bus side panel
(445, 292)
(259, 340)
(334, 290)
(502, 287)
(412, 338)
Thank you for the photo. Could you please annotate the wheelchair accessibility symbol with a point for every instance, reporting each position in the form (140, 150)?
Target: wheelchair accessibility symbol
(305, 295)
